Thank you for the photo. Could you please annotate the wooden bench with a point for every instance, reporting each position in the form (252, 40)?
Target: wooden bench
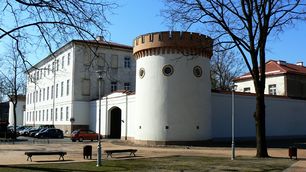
(110, 152)
(60, 153)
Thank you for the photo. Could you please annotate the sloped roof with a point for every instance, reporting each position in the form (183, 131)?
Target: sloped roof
(274, 67)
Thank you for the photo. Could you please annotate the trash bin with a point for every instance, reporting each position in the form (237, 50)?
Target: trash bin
(292, 152)
(87, 151)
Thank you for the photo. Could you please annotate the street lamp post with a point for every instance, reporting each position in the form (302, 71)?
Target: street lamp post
(233, 88)
(99, 158)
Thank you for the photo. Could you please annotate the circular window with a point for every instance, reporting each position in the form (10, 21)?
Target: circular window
(167, 70)
(197, 71)
(141, 72)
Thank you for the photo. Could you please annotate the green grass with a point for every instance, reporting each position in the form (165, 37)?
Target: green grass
(166, 164)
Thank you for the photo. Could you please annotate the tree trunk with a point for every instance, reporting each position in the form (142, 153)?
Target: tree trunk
(260, 120)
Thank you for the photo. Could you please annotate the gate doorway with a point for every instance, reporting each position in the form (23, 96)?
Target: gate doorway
(115, 123)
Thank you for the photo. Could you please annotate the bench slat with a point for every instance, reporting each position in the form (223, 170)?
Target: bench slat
(60, 153)
(111, 151)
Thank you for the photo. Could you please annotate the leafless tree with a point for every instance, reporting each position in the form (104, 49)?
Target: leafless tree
(34, 23)
(225, 65)
(247, 24)
(13, 82)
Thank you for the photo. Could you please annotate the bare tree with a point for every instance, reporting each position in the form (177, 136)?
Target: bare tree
(247, 24)
(225, 65)
(13, 83)
(33, 23)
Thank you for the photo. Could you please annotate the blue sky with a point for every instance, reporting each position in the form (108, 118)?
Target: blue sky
(136, 17)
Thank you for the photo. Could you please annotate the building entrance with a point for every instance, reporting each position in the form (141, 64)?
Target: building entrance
(115, 123)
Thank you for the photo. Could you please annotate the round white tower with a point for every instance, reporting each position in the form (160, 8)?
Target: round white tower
(173, 90)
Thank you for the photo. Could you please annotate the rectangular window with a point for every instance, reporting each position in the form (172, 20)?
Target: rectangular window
(49, 69)
(67, 113)
(36, 96)
(67, 89)
(53, 66)
(63, 62)
(44, 94)
(40, 95)
(43, 115)
(127, 86)
(56, 91)
(48, 93)
(61, 117)
(247, 89)
(37, 75)
(62, 89)
(40, 74)
(44, 72)
(55, 114)
(272, 89)
(51, 114)
(113, 86)
(47, 114)
(39, 116)
(68, 59)
(127, 62)
(52, 91)
(57, 65)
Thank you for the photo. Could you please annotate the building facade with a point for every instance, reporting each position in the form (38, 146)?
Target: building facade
(174, 104)
(282, 78)
(60, 87)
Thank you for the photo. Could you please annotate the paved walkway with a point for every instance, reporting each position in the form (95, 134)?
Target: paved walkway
(14, 153)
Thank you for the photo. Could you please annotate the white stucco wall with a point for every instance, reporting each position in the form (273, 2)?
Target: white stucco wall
(127, 107)
(180, 102)
(284, 116)
(19, 112)
(278, 80)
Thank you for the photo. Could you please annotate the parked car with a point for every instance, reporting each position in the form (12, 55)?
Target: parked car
(25, 131)
(46, 126)
(33, 132)
(50, 133)
(81, 135)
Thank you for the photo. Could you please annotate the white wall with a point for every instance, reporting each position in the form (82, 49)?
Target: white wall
(284, 116)
(19, 112)
(180, 102)
(120, 100)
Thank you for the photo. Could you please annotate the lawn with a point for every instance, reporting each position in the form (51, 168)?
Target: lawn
(175, 163)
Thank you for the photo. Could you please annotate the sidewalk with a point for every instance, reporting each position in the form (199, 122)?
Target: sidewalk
(14, 153)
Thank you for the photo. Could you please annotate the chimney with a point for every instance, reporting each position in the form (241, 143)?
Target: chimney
(281, 62)
(299, 64)
(100, 38)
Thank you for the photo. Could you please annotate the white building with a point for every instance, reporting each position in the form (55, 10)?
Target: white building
(282, 78)
(173, 103)
(60, 87)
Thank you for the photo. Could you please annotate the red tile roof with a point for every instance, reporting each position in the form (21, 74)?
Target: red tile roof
(274, 67)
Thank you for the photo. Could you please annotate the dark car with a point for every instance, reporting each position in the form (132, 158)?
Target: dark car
(33, 132)
(81, 135)
(50, 133)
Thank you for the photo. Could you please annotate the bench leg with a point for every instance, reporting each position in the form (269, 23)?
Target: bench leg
(109, 154)
(132, 153)
(61, 157)
(29, 157)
